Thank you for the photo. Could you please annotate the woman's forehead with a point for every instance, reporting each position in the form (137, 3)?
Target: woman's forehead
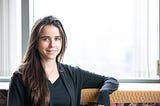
(50, 30)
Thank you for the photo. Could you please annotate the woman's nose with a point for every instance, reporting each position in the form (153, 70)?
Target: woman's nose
(52, 43)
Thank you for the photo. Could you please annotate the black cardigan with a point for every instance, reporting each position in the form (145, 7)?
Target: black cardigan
(74, 78)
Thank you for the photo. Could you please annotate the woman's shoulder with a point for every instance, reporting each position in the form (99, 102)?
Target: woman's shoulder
(73, 70)
(16, 82)
(68, 67)
(17, 73)
(17, 77)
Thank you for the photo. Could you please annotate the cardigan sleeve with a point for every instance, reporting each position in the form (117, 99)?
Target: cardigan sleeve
(85, 79)
(107, 85)
(15, 93)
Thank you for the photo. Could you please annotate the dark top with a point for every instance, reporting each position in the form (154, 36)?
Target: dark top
(74, 80)
(58, 93)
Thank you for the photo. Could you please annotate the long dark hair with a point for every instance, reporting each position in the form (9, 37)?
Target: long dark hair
(33, 74)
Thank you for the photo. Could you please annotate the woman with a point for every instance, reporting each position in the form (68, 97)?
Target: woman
(42, 80)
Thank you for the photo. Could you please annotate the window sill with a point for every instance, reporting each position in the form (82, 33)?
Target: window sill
(122, 86)
(4, 85)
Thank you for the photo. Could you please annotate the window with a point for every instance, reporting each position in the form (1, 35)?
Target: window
(10, 36)
(117, 38)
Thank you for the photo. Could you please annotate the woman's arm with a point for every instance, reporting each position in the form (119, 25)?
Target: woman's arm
(85, 79)
(107, 85)
(92, 80)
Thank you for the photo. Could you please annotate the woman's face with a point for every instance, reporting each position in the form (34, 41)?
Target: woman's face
(50, 42)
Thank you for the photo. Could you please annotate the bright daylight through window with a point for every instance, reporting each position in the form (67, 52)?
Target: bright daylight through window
(118, 38)
(114, 37)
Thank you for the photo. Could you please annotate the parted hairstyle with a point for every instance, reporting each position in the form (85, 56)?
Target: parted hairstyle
(33, 74)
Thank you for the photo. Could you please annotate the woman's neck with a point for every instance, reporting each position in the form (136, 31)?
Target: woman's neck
(49, 65)
(51, 70)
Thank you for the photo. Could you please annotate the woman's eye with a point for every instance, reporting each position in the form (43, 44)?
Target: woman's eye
(57, 38)
(45, 38)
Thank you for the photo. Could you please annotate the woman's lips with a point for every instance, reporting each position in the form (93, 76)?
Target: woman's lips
(52, 51)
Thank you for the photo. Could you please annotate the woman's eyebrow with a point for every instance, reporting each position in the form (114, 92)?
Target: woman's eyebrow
(44, 36)
(58, 36)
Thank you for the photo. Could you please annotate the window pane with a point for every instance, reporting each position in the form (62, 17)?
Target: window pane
(10, 36)
(111, 37)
